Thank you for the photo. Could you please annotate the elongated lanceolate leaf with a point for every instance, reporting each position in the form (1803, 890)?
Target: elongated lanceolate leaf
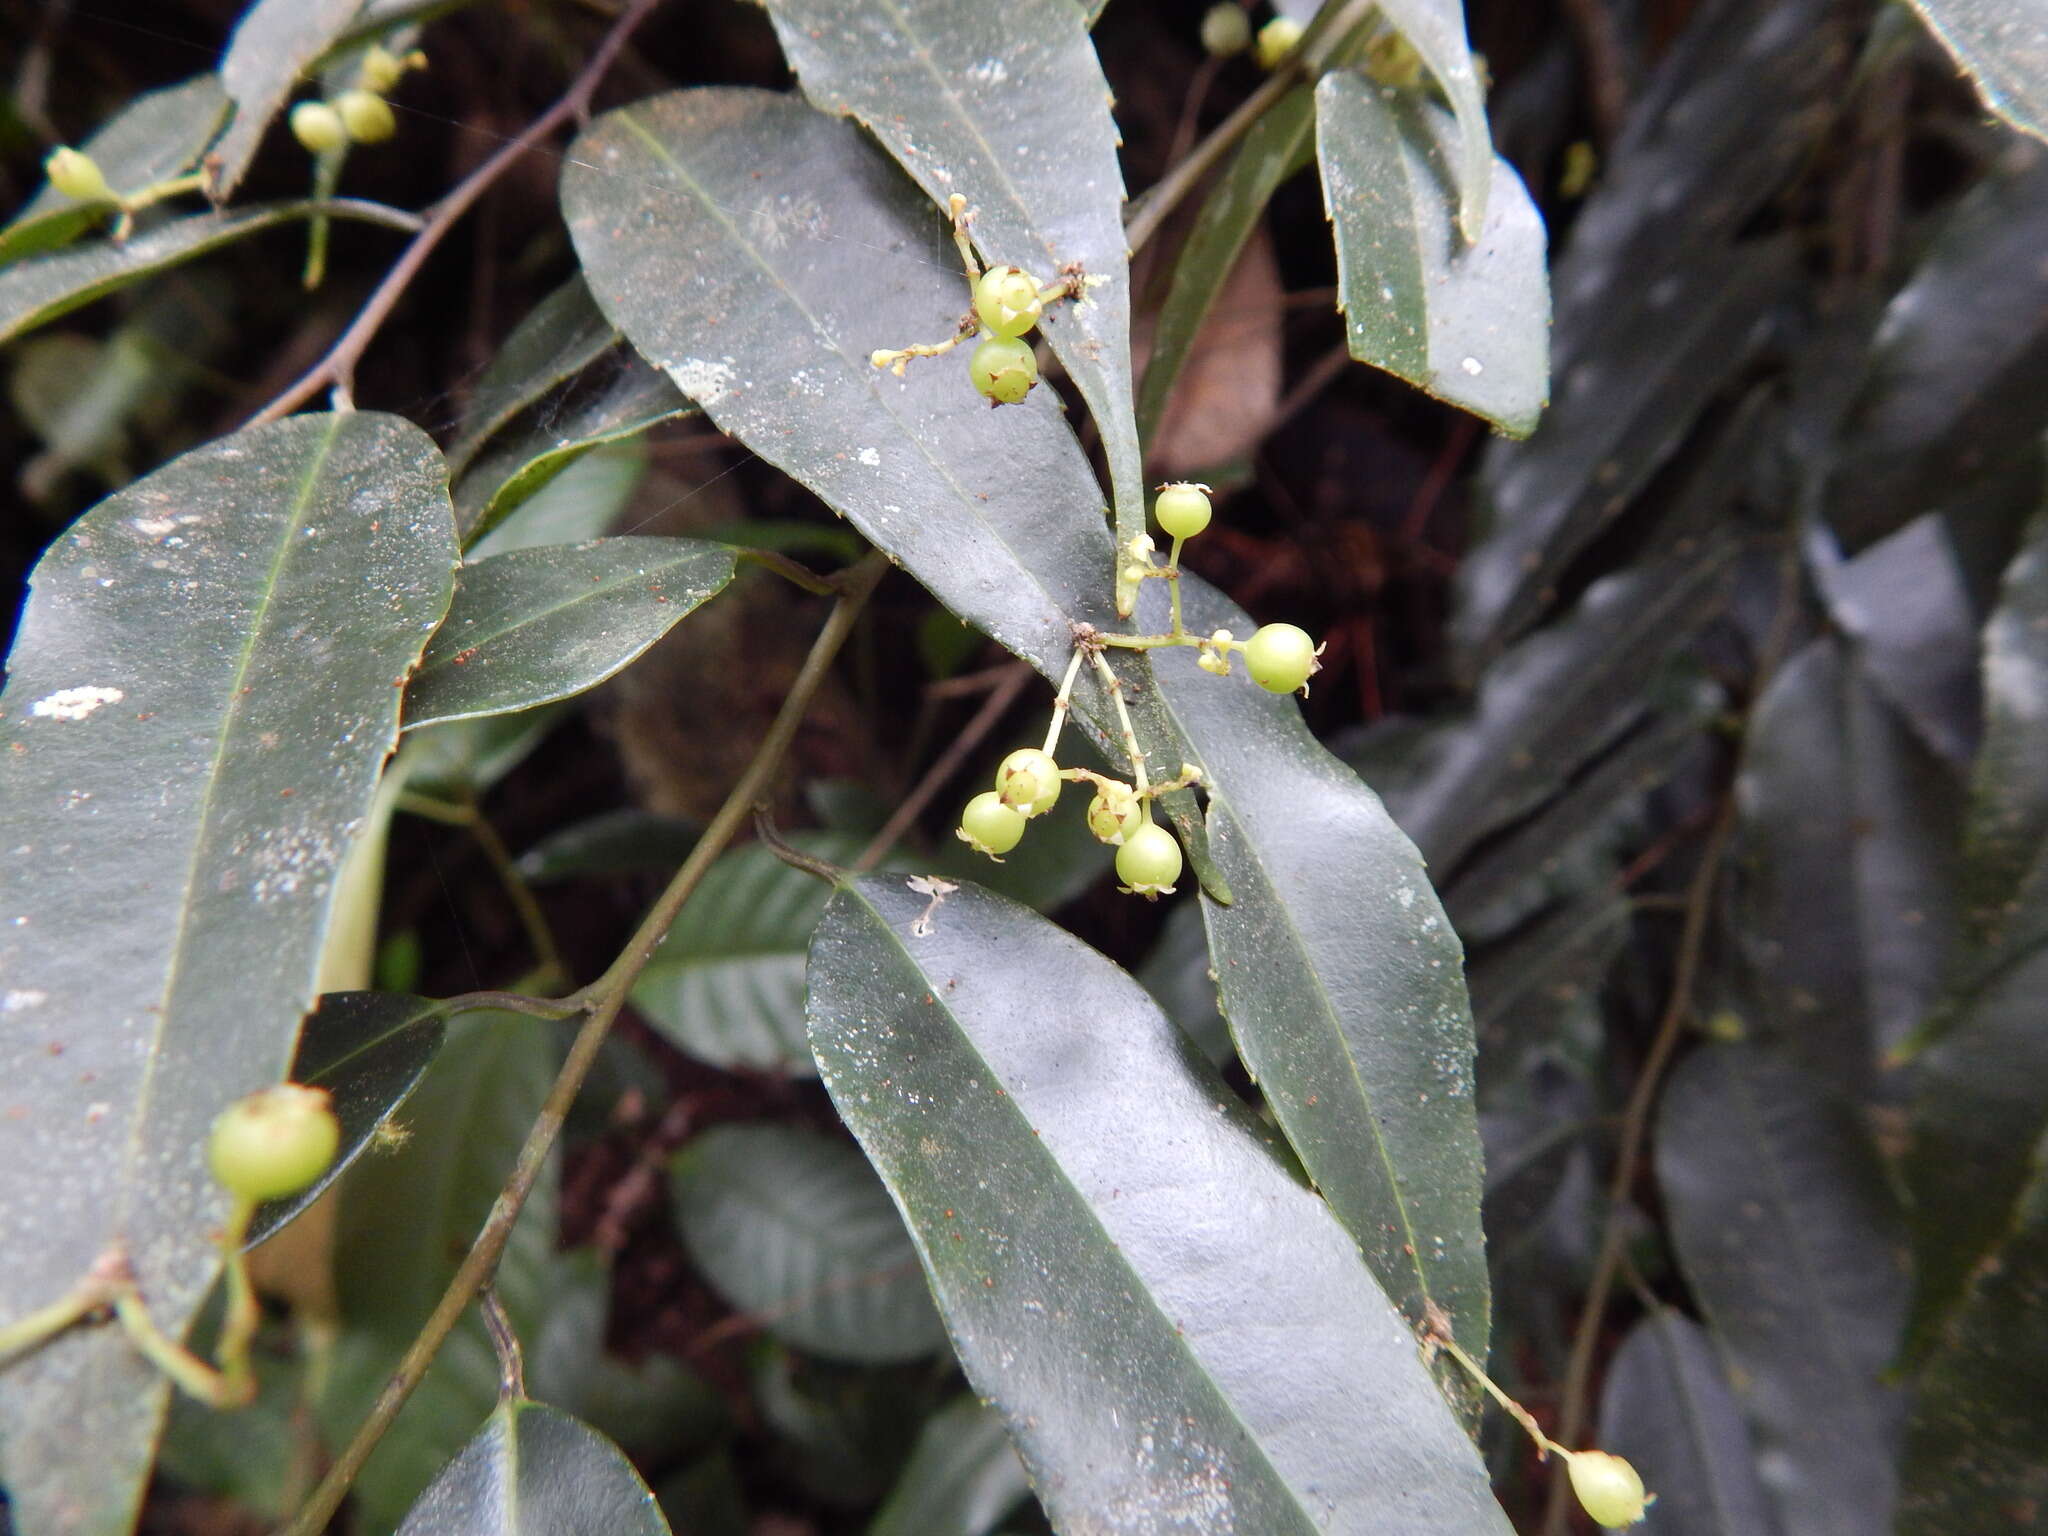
(1005, 105)
(537, 625)
(1468, 323)
(2003, 47)
(275, 42)
(175, 803)
(1173, 1327)
(535, 1471)
(1789, 1238)
(962, 1478)
(562, 335)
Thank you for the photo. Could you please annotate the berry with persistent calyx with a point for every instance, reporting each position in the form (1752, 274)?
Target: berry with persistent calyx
(1281, 658)
(1029, 781)
(1114, 813)
(77, 176)
(1182, 510)
(1276, 40)
(318, 127)
(273, 1143)
(1006, 301)
(1004, 369)
(1226, 30)
(366, 115)
(1610, 1489)
(989, 826)
(1149, 861)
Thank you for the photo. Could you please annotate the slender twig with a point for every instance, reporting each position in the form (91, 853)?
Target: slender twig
(603, 998)
(789, 570)
(789, 853)
(468, 815)
(505, 1341)
(993, 708)
(338, 367)
(510, 1002)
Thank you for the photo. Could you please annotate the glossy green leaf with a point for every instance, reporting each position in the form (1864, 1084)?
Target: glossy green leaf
(1006, 106)
(536, 1471)
(158, 135)
(1166, 1318)
(537, 625)
(34, 293)
(793, 1230)
(1279, 144)
(275, 42)
(1789, 1238)
(1666, 1406)
(2001, 46)
(561, 336)
(176, 804)
(962, 1479)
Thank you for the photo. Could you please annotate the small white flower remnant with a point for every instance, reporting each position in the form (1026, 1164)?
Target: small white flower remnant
(74, 703)
(938, 890)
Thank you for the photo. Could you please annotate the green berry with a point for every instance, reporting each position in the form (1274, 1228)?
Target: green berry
(989, 826)
(1113, 814)
(1149, 862)
(1182, 510)
(1276, 40)
(1226, 30)
(366, 115)
(318, 127)
(1609, 1488)
(1006, 301)
(76, 176)
(1281, 658)
(380, 70)
(1029, 781)
(273, 1143)
(1004, 369)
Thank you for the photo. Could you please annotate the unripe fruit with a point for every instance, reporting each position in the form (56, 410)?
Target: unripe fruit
(1281, 658)
(380, 70)
(1610, 1489)
(1113, 814)
(366, 115)
(1004, 369)
(1226, 30)
(989, 826)
(1149, 861)
(1028, 780)
(318, 127)
(1006, 301)
(1276, 40)
(273, 1143)
(1182, 510)
(76, 175)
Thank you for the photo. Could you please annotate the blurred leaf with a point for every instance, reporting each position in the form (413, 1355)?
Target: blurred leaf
(472, 755)
(274, 44)
(1469, 324)
(1789, 1238)
(1006, 106)
(962, 1479)
(840, 1433)
(581, 501)
(1279, 144)
(537, 625)
(561, 336)
(1536, 990)
(705, 1498)
(78, 394)
(625, 841)
(535, 1471)
(2003, 48)
(187, 802)
(34, 293)
(794, 1231)
(1129, 1269)
(1667, 1407)
(158, 135)
(251, 1464)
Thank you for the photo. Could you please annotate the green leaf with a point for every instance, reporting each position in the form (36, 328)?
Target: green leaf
(1469, 324)
(1279, 144)
(1007, 107)
(275, 42)
(472, 755)
(1667, 1408)
(535, 1471)
(624, 841)
(963, 1477)
(34, 293)
(2003, 48)
(580, 503)
(561, 336)
(1789, 1238)
(1436, 30)
(158, 135)
(176, 804)
(1166, 1318)
(792, 1229)
(537, 625)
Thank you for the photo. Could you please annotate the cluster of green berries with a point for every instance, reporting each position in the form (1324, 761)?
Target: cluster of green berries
(1028, 783)
(359, 115)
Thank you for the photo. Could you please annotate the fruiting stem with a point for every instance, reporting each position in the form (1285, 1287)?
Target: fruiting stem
(1062, 701)
(238, 1324)
(193, 1374)
(897, 359)
(1515, 1410)
(956, 205)
(1179, 630)
(47, 1322)
(1115, 686)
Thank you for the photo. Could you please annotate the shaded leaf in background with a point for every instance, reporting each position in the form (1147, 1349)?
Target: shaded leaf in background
(1168, 1320)
(561, 336)
(1789, 1237)
(625, 841)
(961, 1480)
(795, 1232)
(1007, 106)
(580, 503)
(536, 1471)
(1469, 324)
(2003, 48)
(177, 804)
(536, 625)
(275, 43)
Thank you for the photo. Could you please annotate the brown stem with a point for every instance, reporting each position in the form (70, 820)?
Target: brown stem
(993, 708)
